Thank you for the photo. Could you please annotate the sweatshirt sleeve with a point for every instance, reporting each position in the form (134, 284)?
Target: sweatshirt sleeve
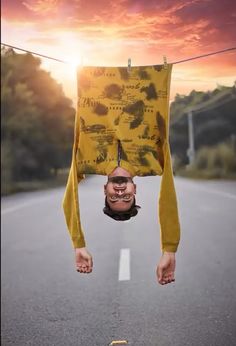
(168, 210)
(71, 199)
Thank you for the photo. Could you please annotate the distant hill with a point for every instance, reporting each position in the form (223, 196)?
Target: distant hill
(214, 119)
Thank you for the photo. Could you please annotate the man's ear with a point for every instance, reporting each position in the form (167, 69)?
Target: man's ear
(134, 188)
(105, 189)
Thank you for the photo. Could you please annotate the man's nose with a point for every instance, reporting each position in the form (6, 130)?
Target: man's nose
(120, 192)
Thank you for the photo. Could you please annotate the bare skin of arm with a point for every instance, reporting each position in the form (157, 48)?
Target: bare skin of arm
(83, 260)
(165, 269)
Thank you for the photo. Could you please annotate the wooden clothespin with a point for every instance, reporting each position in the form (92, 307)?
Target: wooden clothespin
(129, 65)
(165, 62)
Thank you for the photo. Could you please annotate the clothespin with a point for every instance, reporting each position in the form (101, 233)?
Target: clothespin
(165, 62)
(129, 65)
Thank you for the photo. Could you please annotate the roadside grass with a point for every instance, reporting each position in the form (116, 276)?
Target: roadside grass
(193, 173)
(9, 187)
(218, 162)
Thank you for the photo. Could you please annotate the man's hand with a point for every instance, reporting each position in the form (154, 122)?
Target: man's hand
(166, 268)
(84, 261)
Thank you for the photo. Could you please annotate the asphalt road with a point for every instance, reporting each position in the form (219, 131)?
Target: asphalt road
(46, 302)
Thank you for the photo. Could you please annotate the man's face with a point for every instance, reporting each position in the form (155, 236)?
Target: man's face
(120, 192)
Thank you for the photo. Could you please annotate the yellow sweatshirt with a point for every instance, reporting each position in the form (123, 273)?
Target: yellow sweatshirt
(128, 110)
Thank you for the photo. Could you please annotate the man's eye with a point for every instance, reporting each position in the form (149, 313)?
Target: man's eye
(113, 198)
(127, 197)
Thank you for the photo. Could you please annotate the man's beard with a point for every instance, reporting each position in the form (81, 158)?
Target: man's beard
(120, 180)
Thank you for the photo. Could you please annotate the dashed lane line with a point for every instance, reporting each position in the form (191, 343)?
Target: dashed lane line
(124, 265)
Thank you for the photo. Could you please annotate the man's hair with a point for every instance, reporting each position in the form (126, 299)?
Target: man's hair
(121, 215)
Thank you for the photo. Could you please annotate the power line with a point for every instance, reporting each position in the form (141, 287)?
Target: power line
(205, 55)
(28, 51)
(174, 63)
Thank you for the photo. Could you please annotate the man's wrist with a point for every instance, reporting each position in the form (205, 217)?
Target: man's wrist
(169, 248)
(80, 248)
(168, 253)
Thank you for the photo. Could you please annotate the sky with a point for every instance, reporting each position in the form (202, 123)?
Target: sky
(108, 32)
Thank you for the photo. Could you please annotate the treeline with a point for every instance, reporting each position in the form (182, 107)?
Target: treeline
(214, 131)
(37, 121)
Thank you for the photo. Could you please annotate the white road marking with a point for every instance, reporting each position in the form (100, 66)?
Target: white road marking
(124, 265)
(22, 205)
(220, 193)
(215, 192)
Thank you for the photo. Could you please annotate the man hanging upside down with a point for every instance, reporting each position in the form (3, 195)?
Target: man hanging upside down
(121, 131)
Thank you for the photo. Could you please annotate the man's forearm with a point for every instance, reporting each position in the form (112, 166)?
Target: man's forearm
(71, 208)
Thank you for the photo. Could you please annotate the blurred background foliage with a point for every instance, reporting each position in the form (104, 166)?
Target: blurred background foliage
(214, 133)
(37, 122)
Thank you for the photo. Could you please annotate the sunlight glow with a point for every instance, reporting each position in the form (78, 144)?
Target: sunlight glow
(72, 64)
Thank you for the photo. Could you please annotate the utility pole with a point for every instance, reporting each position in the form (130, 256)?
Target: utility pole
(215, 102)
(191, 149)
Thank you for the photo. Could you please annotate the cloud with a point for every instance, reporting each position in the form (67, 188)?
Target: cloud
(41, 6)
(44, 41)
(143, 29)
(108, 32)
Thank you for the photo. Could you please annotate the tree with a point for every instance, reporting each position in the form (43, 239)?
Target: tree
(37, 119)
(214, 119)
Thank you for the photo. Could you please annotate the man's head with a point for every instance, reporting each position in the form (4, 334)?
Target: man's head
(120, 193)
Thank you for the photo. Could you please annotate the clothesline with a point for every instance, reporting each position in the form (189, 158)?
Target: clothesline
(174, 63)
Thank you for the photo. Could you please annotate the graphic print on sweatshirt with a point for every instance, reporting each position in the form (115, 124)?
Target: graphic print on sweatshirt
(130, 107)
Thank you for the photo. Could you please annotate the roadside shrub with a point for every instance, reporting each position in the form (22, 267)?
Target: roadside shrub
(219, 160)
